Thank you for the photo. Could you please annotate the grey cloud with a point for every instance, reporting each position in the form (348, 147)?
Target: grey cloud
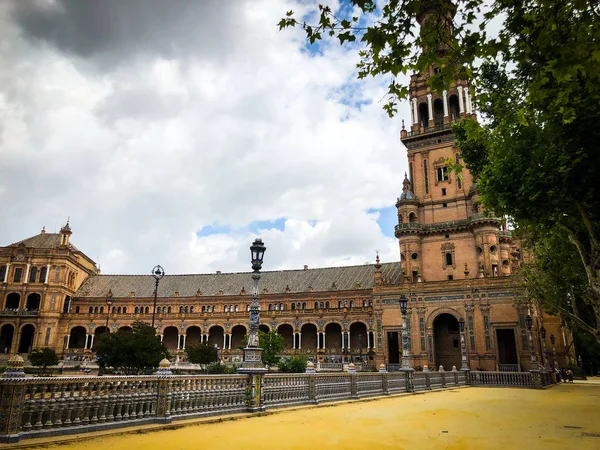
(139, 103)
(114, 31)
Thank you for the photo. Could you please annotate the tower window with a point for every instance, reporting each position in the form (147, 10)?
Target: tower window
(448, 258)
(442, 173)
(414, 256)
(493, 249)
(18, 275)
(426, 178)
(450, 277)
(444, 205)
(443, 191)
(447, 236)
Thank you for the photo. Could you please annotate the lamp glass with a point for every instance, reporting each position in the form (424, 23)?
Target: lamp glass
(529, 322)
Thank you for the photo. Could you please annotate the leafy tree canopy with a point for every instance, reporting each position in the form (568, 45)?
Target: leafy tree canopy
(272, 344)
(43, 357)
(130, 352)
(202, 354)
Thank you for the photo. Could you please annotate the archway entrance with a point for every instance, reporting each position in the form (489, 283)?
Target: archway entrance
(309, 337)
(333, 340)
(447, 341)
(99, 332)
(193, 336)
(33, 302)
(215, 336)
(77, 338)
(507, 349)
(170, 337)
(237, 336)
(358, 341)
(26, 342)
(287, 332)
(12, 301)
(6, 337)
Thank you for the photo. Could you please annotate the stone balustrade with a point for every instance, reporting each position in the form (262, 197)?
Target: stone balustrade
(49, 406)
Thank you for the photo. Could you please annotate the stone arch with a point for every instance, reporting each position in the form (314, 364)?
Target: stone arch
(446, 339)
(436, 312)
(264, 328)
(171, 337)
(358, 337)
(193, 336)
(99, 331)
(77, 337)
(215, 335)
(33, 302)
(125, 329)
(237, 335)
(13, 301)
(7, 333)
(309, 336)
(453, 107)
(333, 336)
(26, 340)
(438, 112)
(287, 331)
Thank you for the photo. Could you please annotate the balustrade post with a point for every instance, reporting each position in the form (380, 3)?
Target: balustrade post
(254, 393)
(12, 400)
(164, 395)
(353, 385)
(312, 389)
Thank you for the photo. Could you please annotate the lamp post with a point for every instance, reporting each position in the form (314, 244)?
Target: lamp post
(464, 365)
(252, 353)
(529, 323)
(158, 272)
(109, 302)
(544, 350)
(405, 354)
(553, 341)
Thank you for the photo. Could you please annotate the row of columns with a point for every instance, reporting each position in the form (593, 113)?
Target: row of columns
(26, 279)
(321, 343)
(464, 103)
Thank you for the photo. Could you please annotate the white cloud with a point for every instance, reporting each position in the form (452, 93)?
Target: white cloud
(144, 144)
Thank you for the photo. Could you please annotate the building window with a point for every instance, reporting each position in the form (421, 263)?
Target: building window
(43, 273)
(455, 343)
(458, 181)
(448, 259)
(57, 275)
(426, 177)
(443, 191)
(444, 205)
(33, 274)
(18, 275)
(410, 172)
(414, 256)
(450, 277)
(2, 273)
(441, 174)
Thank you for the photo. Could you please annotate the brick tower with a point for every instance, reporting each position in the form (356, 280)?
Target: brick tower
(443, 233)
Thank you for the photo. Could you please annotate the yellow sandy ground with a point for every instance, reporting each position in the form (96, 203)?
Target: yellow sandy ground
(471, 418)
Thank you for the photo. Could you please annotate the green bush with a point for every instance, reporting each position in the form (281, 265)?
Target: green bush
(295, 364)
(218, 368)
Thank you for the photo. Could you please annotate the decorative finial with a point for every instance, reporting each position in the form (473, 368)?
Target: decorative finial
(44, 229)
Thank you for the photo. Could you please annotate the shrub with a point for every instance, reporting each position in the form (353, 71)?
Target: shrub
(218, 368)
(295, 364)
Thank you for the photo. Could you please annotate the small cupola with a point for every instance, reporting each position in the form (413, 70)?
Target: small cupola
(65, 233)
(407, 193)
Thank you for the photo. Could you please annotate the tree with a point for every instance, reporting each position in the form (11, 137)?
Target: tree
(201, 354)
(535, 158)
(130, 352)
(44, 357)
(295, 364)
(272, 344)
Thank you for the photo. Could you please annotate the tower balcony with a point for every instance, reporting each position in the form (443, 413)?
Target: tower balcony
(439, 128)
(403, 229)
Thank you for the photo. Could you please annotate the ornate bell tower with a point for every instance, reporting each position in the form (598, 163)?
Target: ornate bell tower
(443, 233)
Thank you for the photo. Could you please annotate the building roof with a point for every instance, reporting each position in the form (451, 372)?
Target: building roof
(276, 282)
(44, 240)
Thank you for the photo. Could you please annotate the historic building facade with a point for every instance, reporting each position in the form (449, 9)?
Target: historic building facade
(456, 262)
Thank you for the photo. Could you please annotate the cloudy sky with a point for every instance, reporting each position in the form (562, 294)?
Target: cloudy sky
(176, 132)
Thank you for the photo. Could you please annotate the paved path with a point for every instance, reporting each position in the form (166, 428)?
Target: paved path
(471, 418)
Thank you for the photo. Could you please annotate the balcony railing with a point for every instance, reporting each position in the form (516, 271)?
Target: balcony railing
(18, 312)
(430, 129)
(445, 225)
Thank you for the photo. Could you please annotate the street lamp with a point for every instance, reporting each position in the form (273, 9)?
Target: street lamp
(544, 351)
(109, 302)
(158, 272)
(252, 353)
(464, 365)
(529, 323)
(405, 354)
(553, 341)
